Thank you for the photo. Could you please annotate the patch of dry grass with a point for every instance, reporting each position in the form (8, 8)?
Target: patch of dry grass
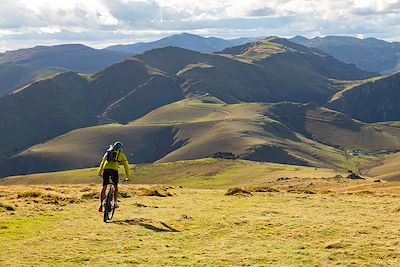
(204, 227)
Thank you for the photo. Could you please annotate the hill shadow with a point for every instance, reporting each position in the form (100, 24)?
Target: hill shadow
(148, 224)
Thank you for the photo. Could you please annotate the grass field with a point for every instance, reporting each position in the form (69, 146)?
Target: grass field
(59, 225)
(286, 216)
(204, 173)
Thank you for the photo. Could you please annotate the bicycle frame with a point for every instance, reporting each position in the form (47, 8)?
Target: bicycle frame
(109, 209)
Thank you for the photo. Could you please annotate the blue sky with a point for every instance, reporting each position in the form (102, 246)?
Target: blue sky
(99, 23)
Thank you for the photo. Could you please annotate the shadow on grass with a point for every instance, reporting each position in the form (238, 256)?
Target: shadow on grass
(148, 224)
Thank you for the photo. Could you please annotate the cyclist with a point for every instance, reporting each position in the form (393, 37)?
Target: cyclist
(109, 169)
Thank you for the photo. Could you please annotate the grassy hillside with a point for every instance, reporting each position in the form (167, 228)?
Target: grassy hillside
(288, 133)
(254, 72)
(158, 91)
(274, 50)
(387, 169)
(303, 221)
(202, 173)
(54, 106)
(336, 129)
(373, 101)
(13, 76)
(43, 110)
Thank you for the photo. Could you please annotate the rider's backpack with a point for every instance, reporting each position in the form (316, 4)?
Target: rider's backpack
(112, 154)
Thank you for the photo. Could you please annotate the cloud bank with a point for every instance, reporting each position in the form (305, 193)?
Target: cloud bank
(104, 22)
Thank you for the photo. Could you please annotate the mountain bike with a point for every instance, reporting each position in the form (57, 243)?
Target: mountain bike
(109, 208)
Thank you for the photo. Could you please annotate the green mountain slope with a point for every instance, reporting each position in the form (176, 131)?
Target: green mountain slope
(273, 50)
(373, 101)
(48, 108)
(43, 110)
(258, 73)
(337, 129)
(158, 91)
(14, 76)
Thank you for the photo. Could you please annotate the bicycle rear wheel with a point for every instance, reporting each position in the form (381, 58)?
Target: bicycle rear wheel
(109, 208)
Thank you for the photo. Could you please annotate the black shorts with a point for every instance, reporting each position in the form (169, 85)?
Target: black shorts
(107, 174)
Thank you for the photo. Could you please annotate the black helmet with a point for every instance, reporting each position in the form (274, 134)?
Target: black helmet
(117, 145)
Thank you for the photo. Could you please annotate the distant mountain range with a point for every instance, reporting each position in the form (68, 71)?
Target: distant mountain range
(39, 62)
(21, 67)
(368, 54)
(185, 40)
(270, 70)
(75, 57)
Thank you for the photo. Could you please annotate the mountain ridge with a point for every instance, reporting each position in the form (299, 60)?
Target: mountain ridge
(370, 54)
(373, 101)
(184, 40)
(76, 57)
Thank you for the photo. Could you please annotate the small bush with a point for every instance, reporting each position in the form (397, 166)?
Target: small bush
(29, 194)
(283, 178)
(91, 195)
(157, 191)
(264, 189)
(85, 189)
(54, 199)
(7, 207)
(396, 210)
(153, 193)
(335, 245)
(302, 191)
(354, 176)
(123, 195)
(140, 205)
(237, 191)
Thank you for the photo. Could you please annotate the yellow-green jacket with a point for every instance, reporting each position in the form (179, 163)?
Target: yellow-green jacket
(114, 165)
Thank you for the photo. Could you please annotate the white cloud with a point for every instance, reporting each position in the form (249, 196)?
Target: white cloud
(116, 20)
